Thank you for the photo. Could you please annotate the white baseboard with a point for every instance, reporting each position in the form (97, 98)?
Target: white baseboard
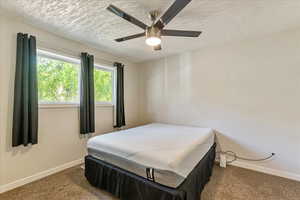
(23, 181)
(284, 174)
(40, 175)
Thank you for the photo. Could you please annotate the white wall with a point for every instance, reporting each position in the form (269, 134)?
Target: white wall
(59, 139)
(249, 92)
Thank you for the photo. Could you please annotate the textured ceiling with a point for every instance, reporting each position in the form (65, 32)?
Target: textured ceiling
(221, 21)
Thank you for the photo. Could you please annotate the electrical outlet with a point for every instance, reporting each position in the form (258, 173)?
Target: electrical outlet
(223, 160)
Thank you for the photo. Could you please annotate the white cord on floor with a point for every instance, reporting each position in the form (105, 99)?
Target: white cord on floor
(236, 157)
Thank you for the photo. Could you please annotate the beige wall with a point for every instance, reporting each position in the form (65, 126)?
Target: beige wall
(2, 115)
(59, 140)
(249, 92)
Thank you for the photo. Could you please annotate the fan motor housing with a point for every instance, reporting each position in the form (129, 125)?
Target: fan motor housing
(153, 32)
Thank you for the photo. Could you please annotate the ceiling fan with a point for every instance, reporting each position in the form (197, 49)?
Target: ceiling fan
(154, 32)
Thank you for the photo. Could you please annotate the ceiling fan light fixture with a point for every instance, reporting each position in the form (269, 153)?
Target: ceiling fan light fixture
(154, 32)
(153, 36)
(153, 41)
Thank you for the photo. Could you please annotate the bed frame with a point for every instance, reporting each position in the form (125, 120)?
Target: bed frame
(128, 186)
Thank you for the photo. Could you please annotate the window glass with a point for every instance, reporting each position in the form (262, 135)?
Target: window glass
(58, 80)
(103, 80)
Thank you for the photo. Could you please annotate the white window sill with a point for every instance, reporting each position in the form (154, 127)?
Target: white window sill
(70, 105)
(58, 105)
(104, 104)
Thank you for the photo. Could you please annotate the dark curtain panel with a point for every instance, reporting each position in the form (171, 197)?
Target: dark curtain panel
(25, 114)
(87, 101)
(120, 114)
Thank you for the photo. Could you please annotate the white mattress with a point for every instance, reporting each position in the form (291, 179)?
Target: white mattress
(171, 150)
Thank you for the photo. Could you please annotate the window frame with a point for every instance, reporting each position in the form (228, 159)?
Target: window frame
(77, 61)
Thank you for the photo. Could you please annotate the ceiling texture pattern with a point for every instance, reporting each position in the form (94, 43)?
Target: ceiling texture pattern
(221, 21)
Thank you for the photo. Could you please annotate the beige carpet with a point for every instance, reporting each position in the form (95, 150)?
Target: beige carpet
(231, 183)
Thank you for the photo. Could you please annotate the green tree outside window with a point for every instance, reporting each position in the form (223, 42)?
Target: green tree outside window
(58, 82)
(103, 85)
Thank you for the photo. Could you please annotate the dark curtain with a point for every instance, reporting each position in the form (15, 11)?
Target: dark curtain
(120, 114)
(25, 114)
(87, 101)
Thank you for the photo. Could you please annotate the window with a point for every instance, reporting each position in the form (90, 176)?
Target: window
(104, 84)
(59, 80)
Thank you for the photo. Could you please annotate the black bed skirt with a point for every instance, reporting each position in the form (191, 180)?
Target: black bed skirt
(128, 186)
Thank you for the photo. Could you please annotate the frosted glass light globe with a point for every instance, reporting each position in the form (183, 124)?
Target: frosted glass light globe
(153, 41)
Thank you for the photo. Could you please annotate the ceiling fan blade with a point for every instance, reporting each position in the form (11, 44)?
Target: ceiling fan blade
(179, 33)
(175, 8)
(126, 16)
(130, 37)
(157, 47)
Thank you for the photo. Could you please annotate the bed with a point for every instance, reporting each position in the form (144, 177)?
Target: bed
(155, 161)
